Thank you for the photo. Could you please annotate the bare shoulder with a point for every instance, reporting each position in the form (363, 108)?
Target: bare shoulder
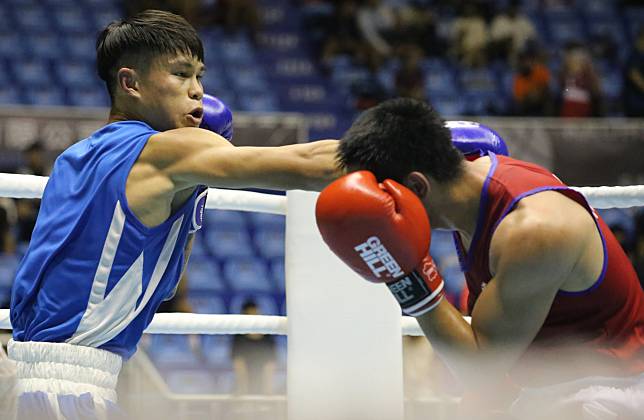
(545, 233)
(167, 147)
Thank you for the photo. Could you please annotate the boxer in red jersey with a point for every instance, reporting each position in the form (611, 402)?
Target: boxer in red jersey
(555, 303)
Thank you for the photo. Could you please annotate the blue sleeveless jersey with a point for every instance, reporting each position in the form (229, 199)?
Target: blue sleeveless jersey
(94, 274)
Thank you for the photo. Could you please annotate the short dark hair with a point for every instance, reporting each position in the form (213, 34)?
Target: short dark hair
(400, 136)
(137, 40)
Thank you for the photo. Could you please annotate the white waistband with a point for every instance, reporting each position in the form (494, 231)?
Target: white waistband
(64, 369)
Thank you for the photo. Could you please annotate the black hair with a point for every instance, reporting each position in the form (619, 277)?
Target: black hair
(400, 136)
(135, 41)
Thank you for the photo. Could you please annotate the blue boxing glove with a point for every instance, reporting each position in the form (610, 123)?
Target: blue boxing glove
(217, 117)
(475, 140)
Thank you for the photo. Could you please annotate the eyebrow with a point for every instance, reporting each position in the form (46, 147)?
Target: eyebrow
(188, 64)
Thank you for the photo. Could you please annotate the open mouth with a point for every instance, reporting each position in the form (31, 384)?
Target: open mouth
(197, 113)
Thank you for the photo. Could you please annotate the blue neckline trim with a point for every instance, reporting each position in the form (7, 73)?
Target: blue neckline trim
(482, 212)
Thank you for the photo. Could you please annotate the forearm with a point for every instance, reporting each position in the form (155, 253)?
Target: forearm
(306, 166)
(321, 166)
(456, 343)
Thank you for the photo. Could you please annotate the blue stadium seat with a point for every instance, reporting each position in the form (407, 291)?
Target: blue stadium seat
(478, 80)
(635, 20)
(387, 78)
(247, 274)
(229, 242)
(199, 247)
(96, 97)
(44, 96)
(266, 304)
(10, 95)
(484, 103)
(224, 219)
(216, 350)
(612, 82)
(278, 273)
(605, 7)
(104, 15)
(72, 21)
(61, 4)
(8, 265)
(345, 78)
(45, 46)
(258, 102)
(80, 46)
(214, 80)
(11, 47)
(280, 40)
(266, 220)
(6, 17)
(440, 83)
(292, 67)
(448, 104)
(562, 29)
(32, 72)
(203, 303)
(602, 24)
(204, 275)
(171, 350)
(250, 79)
(32, 19)
(77, 73)
(269, 243)
(237, 51)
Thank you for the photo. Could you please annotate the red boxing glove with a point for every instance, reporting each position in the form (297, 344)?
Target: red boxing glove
(382, 232)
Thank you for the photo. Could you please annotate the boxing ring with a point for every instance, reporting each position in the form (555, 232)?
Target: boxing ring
(345, 337)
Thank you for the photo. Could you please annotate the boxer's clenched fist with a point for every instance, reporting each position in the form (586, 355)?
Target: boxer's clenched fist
(381, 230)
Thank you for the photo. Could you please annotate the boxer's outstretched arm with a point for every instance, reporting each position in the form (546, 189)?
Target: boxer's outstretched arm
(190, 156)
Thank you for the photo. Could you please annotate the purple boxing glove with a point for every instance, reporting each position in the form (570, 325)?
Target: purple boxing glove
(217, 117)
(475, 140)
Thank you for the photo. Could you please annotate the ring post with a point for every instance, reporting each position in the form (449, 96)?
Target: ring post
(344, 334)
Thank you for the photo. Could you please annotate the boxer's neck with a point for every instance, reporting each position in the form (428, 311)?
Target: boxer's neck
(455, 205)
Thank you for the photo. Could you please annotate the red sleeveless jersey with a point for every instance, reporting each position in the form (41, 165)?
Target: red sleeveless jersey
(606, 320)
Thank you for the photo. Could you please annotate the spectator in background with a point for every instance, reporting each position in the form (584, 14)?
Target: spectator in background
(580, 86)
(531, 86)
(343, 36)
(34, 163)
(418, 27)
(510, 32)
(634, 79)
(8, 216)
(410, 79)
(238, 15)
(254, 358)
(470, 36)
(377, 25)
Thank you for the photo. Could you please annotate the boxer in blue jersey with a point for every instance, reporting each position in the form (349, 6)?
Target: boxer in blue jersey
(119, 212)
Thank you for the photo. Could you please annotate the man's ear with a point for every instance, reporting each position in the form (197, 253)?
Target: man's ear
(418, 183)
(127, 81)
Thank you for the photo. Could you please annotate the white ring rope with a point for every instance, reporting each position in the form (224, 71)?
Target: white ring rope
(30, 186)
(183, 323)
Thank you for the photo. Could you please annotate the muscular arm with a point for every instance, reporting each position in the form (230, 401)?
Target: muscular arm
(530, 259)
(190, 156)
